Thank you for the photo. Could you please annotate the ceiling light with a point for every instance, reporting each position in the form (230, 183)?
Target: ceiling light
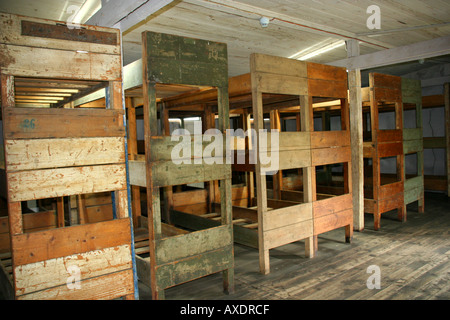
(264, 21)
(307, 54)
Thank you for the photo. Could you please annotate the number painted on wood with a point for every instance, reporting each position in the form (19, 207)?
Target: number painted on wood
(28, 124)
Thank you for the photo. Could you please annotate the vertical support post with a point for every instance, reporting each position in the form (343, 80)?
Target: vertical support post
(167, 191)
(356, 136)
(447, 131)
(225, 185)
(132, 154)
(261, 188)
(8, 101)
(248, 146)
(309, 173)
(60, 212)
(277, 177)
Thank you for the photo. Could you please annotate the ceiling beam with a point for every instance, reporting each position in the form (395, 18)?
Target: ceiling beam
(416, 51)
(128, 15)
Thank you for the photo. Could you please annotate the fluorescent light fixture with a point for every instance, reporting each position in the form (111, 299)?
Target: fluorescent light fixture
(192, 119)
(82, 51)
(308, 54)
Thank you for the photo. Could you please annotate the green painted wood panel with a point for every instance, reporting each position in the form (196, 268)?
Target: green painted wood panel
(179, 60)
(183, 246)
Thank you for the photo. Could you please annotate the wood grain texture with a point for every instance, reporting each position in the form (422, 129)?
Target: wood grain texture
(48, 183)
(32, 154)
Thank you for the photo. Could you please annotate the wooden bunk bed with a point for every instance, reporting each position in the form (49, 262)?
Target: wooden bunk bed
(383, 193)
(413, 143)
(54, 152)
(175, 255)
(290, 215)
(439, 183)
(305, 149)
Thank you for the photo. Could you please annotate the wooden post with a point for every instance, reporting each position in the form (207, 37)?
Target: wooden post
(277, 177)
(309, 175)
(447, 131)
(60, 212)
(133, 152)
(356, 136)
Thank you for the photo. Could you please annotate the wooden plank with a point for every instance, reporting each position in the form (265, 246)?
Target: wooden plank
(388, 190)
(287, 141)
(279, 65)
(447, 131)
(325, 156)
(389, 135)
(328, 139)
(413, 194)
(333, 221)
(281, 84)
(50, 273)
(107, 287)
(174, 249)
(195, 145)
(286, 216)
(380, 80)
(387, 94)
(413, 52)
(288, 160)
(327, 89)
(411, 91)
(49, 183)
(59, 64)
(56, 153)
(68, 241)
(412, 146)
(179, 60)
(434, 142)
(37, 220)
(332, 205)
(191, 268)
(412, 134)
(189, 197)
(33, 123)
(48, 31)
(169, 174)
(64, 38)
(326, 72)
(390, 149)
(387, 204)
(291, 233)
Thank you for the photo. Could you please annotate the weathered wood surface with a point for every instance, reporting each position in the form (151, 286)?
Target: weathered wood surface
(36, 123)
(385, 143)
(413, 259)
(32, 154)
(413, 143)
(62, 52)
(174, 60)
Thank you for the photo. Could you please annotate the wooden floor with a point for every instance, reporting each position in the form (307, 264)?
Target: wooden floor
(413, 258)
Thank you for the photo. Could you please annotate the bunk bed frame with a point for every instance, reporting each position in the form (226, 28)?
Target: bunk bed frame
(413, 144)
(283, 216)
(52, 152)
(305, 149)
(177, 256)
(386, 196)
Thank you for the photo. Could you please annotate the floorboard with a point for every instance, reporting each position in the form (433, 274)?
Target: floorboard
(413, 258)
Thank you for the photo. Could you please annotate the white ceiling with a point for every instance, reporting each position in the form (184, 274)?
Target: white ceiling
(296, 25)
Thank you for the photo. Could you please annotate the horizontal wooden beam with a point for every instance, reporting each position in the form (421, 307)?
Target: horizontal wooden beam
(420, 50)
(128, 15)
